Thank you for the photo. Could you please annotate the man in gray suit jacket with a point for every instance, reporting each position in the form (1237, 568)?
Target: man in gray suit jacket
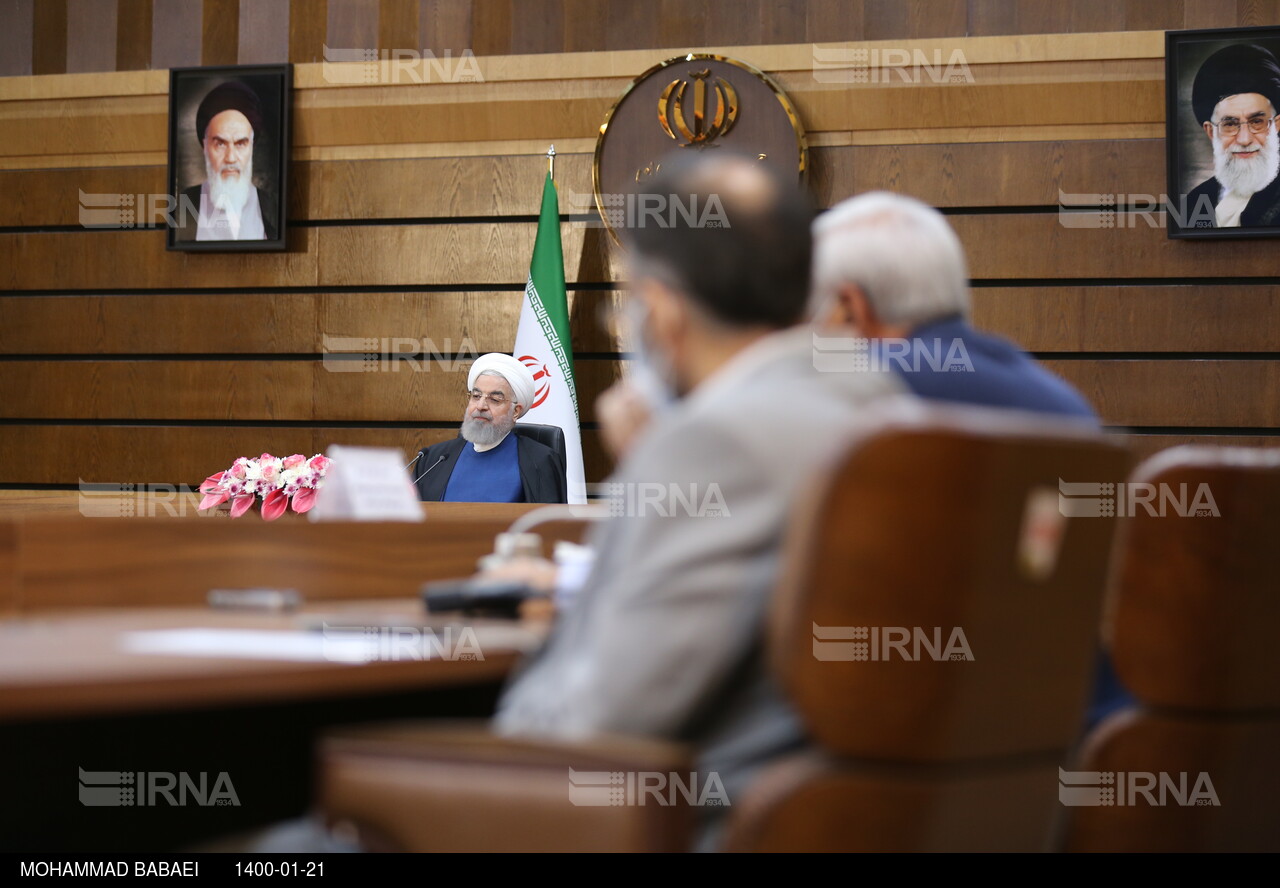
(665, 640)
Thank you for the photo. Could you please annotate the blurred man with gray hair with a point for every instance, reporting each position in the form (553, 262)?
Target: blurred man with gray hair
(892, 272)
(890, 269)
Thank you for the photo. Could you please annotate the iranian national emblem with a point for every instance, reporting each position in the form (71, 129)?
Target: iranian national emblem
(541, 379)
(707, 124)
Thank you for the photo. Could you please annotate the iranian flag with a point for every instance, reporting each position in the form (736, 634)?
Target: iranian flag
(543, 344)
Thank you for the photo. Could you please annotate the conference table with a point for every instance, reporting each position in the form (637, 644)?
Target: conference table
(194, 693)
(179, 692)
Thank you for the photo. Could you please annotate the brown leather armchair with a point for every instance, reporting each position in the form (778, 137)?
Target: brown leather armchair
(1193, 614)
(939, 522)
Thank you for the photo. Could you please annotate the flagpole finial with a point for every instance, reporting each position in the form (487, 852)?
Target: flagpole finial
(551, 161)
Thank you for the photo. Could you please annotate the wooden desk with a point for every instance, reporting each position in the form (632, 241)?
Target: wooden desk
(61, 562)
(76, 665)
(71, 698)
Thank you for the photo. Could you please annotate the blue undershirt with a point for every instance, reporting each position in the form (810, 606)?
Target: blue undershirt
(489, 477)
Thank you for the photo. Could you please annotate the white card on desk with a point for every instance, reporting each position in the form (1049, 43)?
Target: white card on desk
(366, 484)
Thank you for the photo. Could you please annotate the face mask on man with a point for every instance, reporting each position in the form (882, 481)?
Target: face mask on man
(650, 371)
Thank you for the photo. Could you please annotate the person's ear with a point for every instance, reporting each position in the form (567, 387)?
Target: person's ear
(667, 314)
(858, 311)
(517, 410)
(1208, 129)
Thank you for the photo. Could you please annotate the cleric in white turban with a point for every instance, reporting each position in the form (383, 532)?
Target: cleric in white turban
(486, 463)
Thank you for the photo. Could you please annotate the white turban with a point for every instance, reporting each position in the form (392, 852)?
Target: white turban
(515, 373)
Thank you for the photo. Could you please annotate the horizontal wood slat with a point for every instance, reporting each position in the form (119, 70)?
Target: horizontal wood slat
(1137, 318)
(1125, 392)
(1212, 393)
(284, 323)
(1173, 318)
(448, 254)
(999, 246)
(70, 454)
(1007, 174)
(339, 391)
(1025, 245)
(408, 113)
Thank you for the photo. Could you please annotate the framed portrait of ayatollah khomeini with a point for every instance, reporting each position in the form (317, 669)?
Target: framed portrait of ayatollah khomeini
(1222, 132)
(228, 157)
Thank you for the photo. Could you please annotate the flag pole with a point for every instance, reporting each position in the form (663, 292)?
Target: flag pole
(551, 162)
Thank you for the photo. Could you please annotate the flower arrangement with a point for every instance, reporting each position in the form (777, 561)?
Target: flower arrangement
(279, 481)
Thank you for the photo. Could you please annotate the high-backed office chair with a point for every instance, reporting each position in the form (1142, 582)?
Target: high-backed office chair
(939, 522)
(550, 435)
(1193, 616)
(950, 526)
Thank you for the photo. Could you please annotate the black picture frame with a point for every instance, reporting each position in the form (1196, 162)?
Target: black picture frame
(230, 88)
(1193, 190)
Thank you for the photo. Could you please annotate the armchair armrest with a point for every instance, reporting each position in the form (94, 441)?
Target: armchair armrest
(456, 786)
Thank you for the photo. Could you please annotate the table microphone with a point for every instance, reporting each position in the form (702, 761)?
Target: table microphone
(442, 458)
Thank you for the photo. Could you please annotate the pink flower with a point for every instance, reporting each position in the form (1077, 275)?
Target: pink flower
(266, 456)
(292, 462)
(238, 470)
(212, 483)
(214, 499)
(269, 472)
(303, 500)
(319, 463)
(274, 505)
(241, 504)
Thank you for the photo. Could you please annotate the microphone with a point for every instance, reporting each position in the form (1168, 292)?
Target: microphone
(442, 458)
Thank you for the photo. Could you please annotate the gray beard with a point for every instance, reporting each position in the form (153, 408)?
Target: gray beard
(229, 195)
(1247, 177)
(485, 434)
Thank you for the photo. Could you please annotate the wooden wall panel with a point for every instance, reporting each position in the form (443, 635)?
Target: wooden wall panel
(49, 37)
(499, 27)
(1178, 393)
(1167, 318)
(15, 37)
(1040, 246)
(1128, 392)
(283, 323)
(186, 455)
(208, 390)
(988, 174)
(1000, 246)
(91, 35)
(1136, 318)
(352, 24)
(248, 391)
(220, 32)
(405, 188)
(446, 25)
(133, 35)
(398, 27)
(308, 27)
(434, 186)
(1015, 174)
(264, 32)
(176, 33)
